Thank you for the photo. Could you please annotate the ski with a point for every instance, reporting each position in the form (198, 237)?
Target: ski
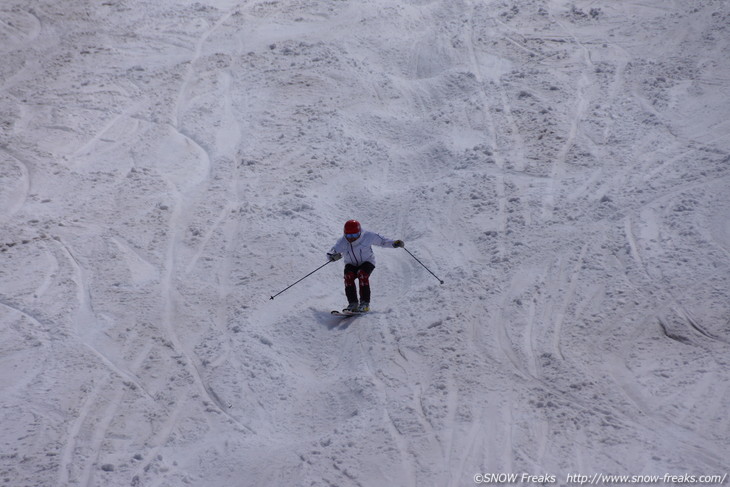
(346, 313)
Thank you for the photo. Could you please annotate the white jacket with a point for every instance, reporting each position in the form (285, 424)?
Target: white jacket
(360, 250)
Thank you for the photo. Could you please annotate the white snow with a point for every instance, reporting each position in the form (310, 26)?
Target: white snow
(167, 166)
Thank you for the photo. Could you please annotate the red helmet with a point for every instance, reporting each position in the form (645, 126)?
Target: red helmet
(352, 230)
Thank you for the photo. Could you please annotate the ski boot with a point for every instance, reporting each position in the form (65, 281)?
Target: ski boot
(351, 308)
(364, 307)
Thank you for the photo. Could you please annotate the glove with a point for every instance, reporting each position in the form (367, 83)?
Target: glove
(398, 243)
(333, 257)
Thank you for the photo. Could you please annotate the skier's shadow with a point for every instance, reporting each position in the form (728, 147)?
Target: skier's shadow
(335, 322)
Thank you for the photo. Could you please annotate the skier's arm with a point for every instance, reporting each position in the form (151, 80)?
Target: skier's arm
(381, 241)
(335, 253)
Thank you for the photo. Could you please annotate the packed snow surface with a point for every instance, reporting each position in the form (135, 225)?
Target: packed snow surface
(167, 166)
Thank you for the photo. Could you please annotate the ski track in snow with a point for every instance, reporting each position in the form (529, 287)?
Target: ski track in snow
(166, 167)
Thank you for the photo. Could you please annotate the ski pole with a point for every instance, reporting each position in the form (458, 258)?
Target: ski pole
(424, 266)
(315, 270)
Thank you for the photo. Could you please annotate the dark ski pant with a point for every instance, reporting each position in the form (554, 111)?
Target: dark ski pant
(362, 273)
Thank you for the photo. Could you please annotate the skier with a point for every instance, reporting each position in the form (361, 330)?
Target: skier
(356, 245)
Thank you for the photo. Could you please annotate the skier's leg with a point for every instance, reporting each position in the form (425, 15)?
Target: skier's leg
(363, 275)
(350, 289)
(364, 286)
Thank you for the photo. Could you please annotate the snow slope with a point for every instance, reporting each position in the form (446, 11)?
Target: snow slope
(166, 166)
